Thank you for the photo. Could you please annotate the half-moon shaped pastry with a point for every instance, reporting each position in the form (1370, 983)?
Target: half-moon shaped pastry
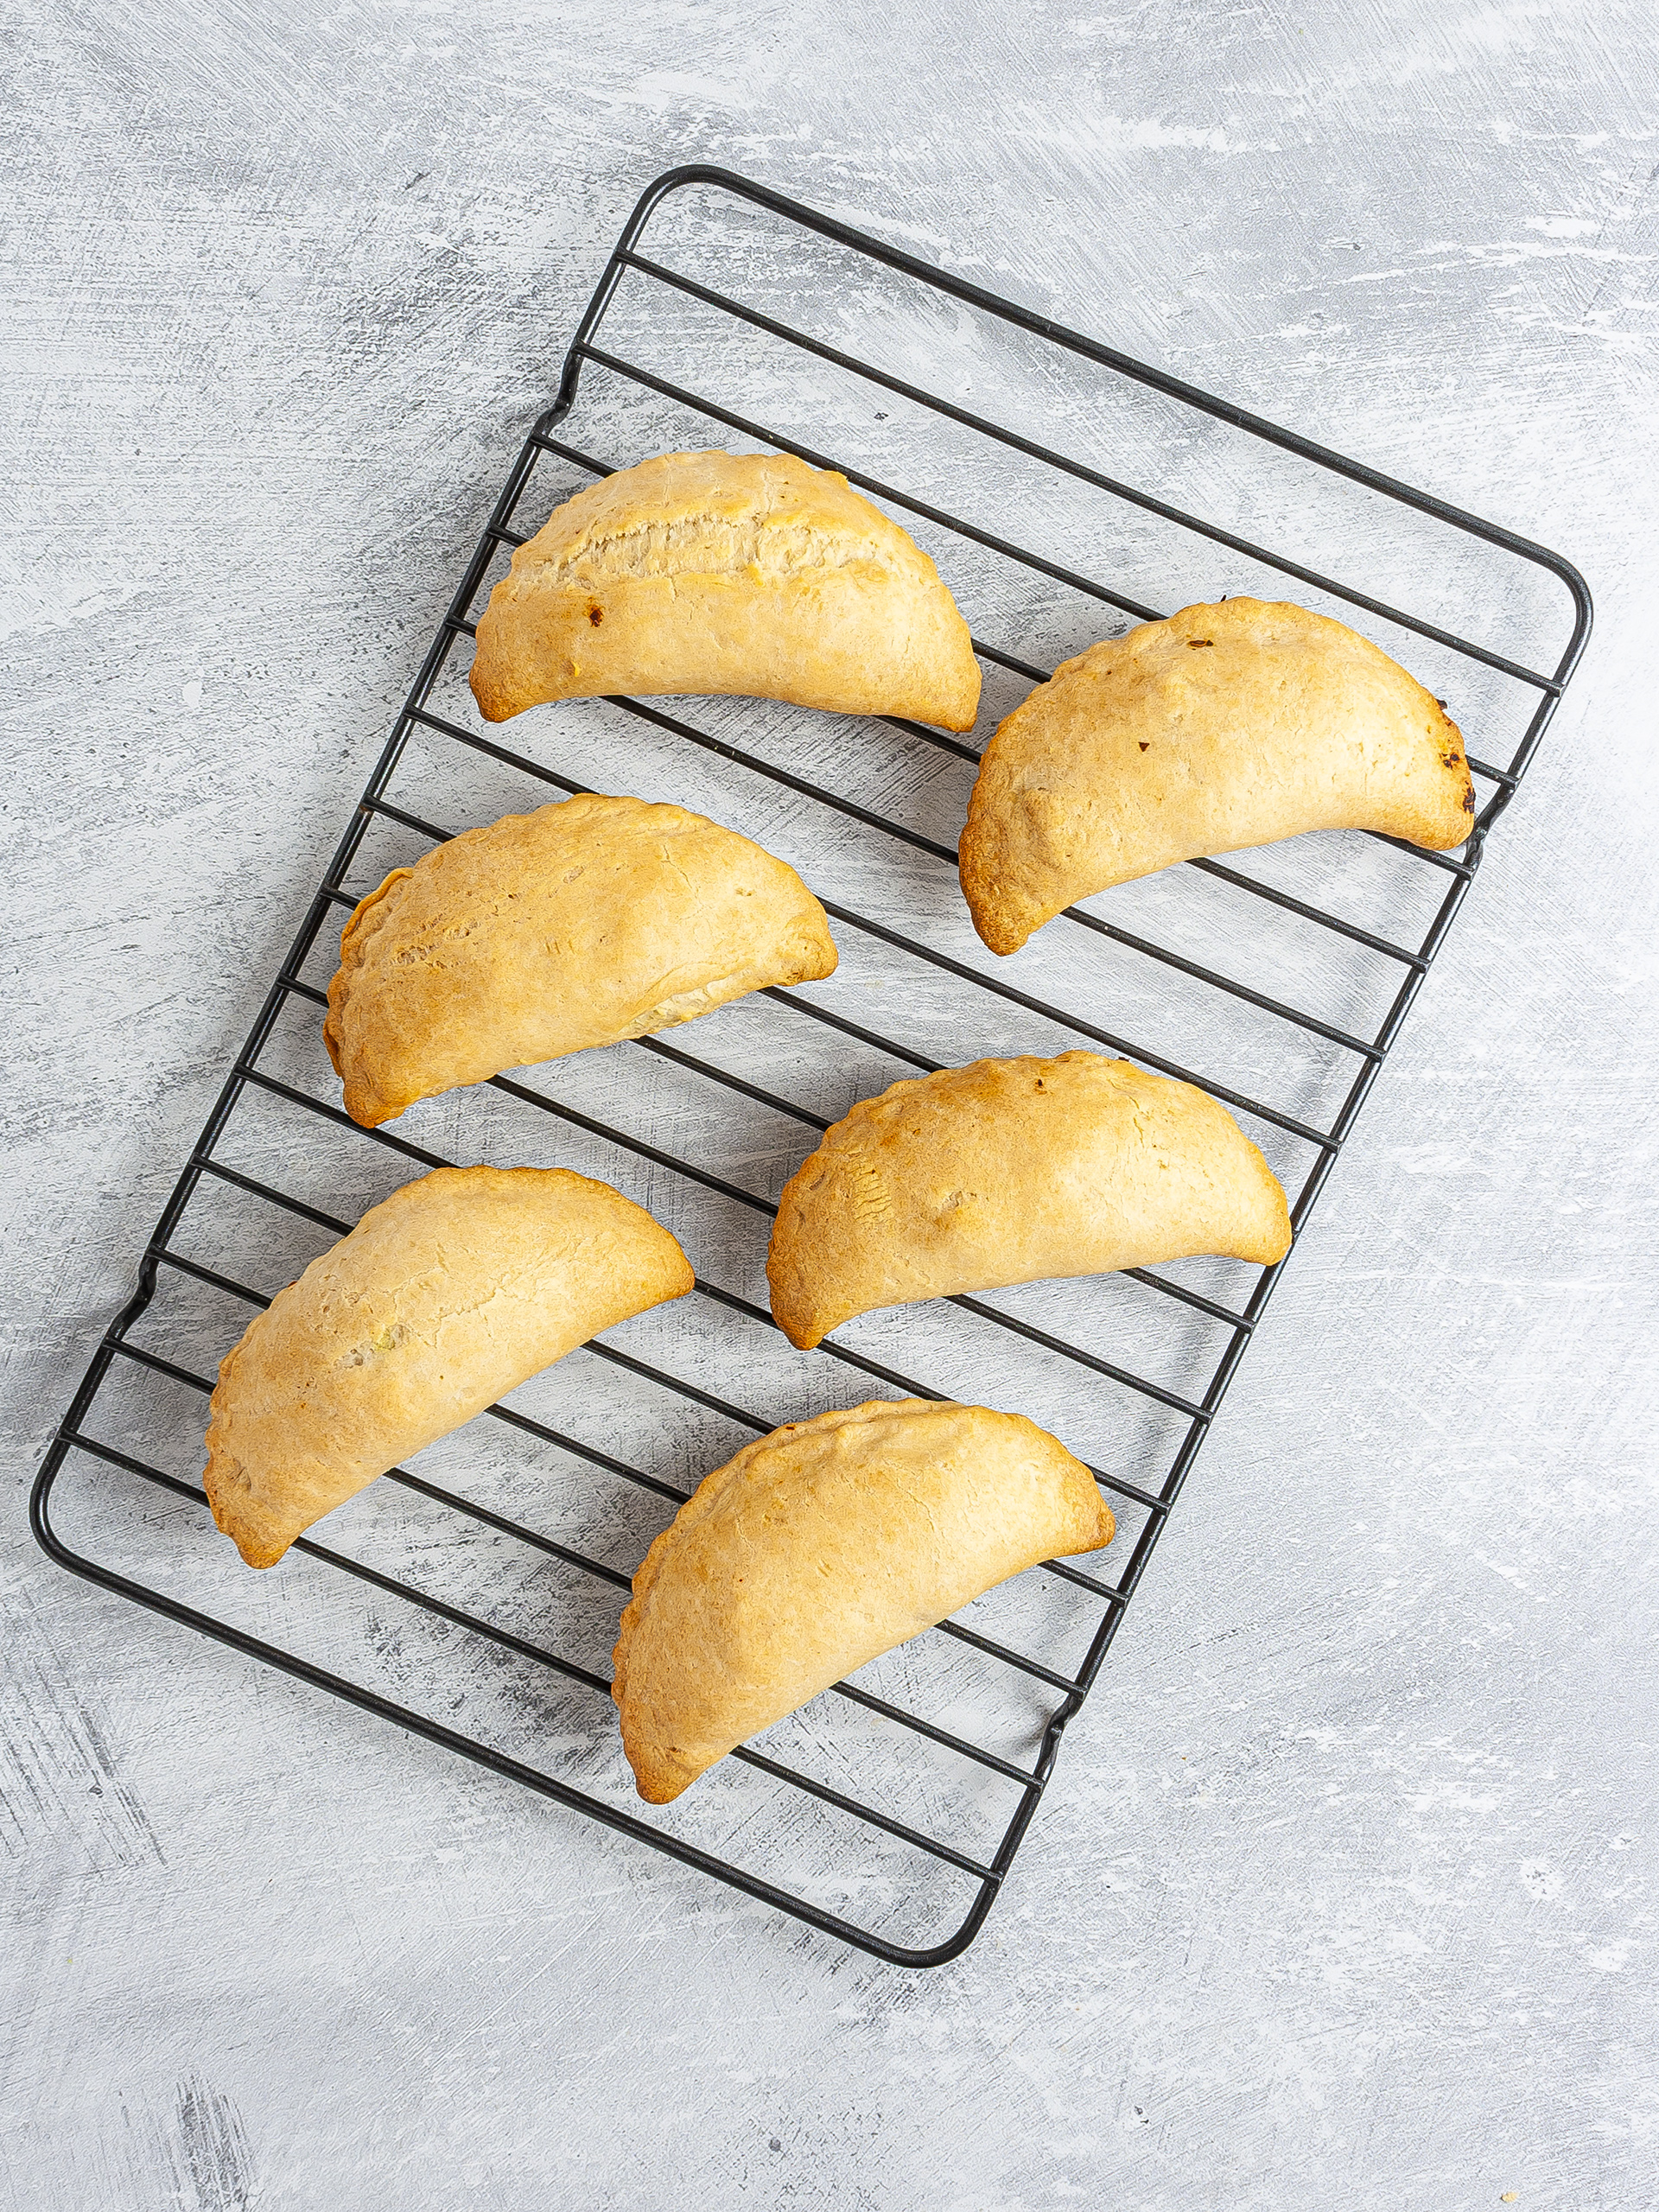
(447, 1295)
(1224, 727)
(580, 923)
(820, 1546)
(1014, 1170)
(725, 572)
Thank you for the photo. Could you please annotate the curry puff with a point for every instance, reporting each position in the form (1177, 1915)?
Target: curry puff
(732, 573)
(1224, 727)
(447, 1294)
(1010, 1172)
(546, 933)
(817, 1549)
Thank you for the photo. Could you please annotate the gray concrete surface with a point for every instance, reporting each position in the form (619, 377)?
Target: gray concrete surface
(1344, 1894)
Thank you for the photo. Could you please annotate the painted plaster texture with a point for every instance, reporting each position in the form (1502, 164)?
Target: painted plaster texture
(1344, 1891)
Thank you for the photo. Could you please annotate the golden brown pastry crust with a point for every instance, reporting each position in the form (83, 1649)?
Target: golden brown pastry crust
(447, 1295)
(1014, 1170)
(720, 572)
(1224, 727)
(547, 933)
(819, 1548)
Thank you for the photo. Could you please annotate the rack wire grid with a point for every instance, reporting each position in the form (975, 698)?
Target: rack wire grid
(472, 1598)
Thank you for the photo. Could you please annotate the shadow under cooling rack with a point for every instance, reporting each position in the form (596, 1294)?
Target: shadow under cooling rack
(473, 1597)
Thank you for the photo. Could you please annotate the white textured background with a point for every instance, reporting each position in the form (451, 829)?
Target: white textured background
(1344, 1894)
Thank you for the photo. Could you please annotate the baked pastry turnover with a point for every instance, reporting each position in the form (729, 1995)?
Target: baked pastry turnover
(546, 933)
(1224, 727)
(445, 1296)
(1014, 1170)
(820, 1546)
(725, 572)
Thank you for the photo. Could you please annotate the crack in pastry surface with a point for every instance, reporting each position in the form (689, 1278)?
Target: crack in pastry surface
(721, 573)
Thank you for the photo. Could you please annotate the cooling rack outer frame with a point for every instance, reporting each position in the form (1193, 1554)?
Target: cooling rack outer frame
(69, 1433)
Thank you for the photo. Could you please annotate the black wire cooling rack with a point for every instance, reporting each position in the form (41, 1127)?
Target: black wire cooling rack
(888, 1815)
